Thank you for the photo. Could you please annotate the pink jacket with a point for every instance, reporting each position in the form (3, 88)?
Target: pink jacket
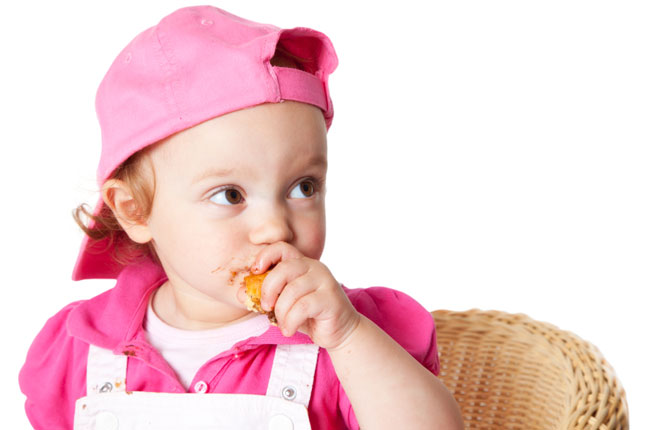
(54, 374)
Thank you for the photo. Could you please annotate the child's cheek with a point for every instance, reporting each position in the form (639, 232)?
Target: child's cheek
(314, 243)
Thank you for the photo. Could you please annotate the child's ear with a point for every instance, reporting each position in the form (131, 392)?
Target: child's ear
(118, 196)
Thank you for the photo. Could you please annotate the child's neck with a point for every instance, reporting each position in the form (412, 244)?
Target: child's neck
(187, 311)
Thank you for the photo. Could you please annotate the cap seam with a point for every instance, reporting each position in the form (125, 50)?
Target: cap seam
(169, 68)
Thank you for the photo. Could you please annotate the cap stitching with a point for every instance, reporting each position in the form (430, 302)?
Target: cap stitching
(169, 67)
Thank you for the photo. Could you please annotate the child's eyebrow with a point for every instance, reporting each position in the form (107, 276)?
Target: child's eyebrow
(316, 161)
(211, 172)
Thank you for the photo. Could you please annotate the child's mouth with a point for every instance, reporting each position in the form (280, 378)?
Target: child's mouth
(237, 272)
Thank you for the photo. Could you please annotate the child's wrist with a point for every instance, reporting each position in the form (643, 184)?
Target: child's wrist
(350, 336)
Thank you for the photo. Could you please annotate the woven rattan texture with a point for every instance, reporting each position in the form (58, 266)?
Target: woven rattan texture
(508, 371)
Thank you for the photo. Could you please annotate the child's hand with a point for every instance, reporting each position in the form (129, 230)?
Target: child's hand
(305, 296)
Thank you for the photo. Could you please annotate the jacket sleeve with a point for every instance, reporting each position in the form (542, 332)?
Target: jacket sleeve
(402, 318)
(54, 374)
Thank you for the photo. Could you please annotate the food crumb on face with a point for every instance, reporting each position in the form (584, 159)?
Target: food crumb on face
(237, 272)
(232, 278)
(217, 270)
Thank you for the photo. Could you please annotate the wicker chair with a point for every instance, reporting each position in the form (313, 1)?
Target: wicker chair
(507, 371)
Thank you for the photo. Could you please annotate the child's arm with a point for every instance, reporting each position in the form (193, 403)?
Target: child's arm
(386, 386)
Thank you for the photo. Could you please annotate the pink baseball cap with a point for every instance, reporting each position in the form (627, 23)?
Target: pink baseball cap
(196, 64)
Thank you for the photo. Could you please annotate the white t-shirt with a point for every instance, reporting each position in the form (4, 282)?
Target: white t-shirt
(187, 350)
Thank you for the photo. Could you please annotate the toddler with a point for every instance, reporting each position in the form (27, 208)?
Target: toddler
(213, 167)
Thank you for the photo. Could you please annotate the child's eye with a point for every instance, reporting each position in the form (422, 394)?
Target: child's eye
(227, 196)
(304, 189)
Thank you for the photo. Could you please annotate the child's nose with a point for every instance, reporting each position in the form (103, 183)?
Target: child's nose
(272, 225)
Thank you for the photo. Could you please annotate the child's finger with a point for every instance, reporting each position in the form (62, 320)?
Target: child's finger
(278, 278)
(292, 292)
(305, 308)
(274, 254)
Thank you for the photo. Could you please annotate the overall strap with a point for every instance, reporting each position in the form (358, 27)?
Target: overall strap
(292, 374)
(106, 371)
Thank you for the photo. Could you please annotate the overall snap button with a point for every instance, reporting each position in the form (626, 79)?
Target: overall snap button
(289, 393)
(105, 388)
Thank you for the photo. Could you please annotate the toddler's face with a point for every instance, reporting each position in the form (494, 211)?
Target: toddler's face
(234, 184)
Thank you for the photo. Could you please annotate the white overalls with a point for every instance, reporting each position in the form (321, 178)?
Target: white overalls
(108, 406)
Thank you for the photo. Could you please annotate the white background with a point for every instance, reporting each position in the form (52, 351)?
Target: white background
(484, 154)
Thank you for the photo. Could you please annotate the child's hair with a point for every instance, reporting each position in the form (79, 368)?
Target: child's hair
(132, 173)
(106, 226)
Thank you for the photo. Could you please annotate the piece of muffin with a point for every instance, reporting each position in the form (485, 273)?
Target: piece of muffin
(253, 284)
